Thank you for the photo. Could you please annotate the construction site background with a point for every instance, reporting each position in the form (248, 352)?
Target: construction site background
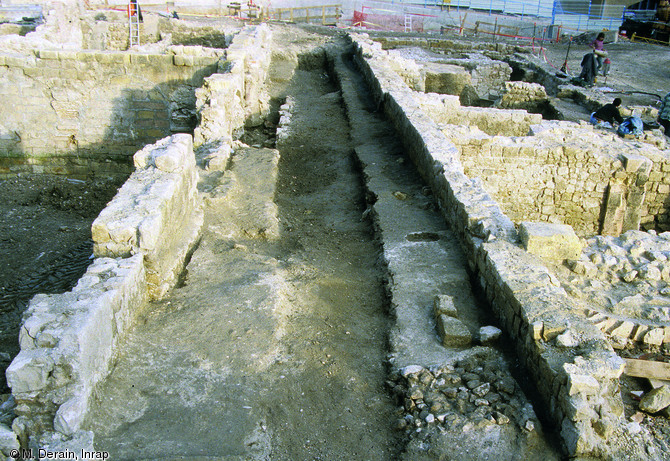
(513, 17)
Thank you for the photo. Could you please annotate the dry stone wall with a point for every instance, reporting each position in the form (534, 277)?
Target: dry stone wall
(557, 172)
(472, 67)
(576, 370)
(157, 213)
(142, 240)
(234, 97)
(83, 112)
(67, 342)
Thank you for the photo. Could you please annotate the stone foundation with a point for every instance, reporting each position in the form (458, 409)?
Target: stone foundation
(67, 342)
(83, 113)
(579, 385)
(156, 213)
(142, 241)
(236, 96)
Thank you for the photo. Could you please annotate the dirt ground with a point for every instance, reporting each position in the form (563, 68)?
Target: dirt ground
(287, 360)
(638, 73)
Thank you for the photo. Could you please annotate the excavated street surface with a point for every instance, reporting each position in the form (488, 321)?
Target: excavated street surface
(303, 328)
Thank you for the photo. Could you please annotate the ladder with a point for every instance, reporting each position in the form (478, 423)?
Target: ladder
(408, 23)
(134, 22)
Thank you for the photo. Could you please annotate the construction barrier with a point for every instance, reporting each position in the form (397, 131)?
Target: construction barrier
(391, 20)
(322, 14)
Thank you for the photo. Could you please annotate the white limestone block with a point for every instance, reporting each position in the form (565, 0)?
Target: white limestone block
(453, 332)
(489, 334)
(551, 241)
(71, 414)
(444, 305)
(8, 440)
(582, 384)
(29, 371)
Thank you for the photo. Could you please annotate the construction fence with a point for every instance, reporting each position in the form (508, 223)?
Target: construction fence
(571, 17)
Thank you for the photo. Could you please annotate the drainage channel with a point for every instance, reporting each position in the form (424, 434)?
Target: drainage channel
(304, 328)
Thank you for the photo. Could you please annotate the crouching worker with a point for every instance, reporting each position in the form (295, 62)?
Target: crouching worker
(664, 114)
(607, 115)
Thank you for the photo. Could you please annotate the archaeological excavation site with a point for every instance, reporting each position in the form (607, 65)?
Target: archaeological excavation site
(297, 231)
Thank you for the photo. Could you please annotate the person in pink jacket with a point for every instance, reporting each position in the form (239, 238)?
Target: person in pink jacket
(598, 46)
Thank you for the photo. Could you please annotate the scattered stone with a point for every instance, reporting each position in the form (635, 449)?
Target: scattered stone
(630, 276)
(482, 389)
(654, 337)
(638, 417)
(400, 195)
(415, 394)
(655, 400)
(411, 370)
(637, 394)
(489, 335)
(501, 418)
(444, 305)
(453, 332)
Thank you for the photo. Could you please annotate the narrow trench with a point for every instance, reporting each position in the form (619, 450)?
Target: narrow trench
(336, 405)
(269, 349)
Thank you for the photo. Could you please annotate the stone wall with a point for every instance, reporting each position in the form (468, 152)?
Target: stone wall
(67, 342)
(655, 212)
(156, 213)
(578, 381)
(465, 65)
(83, 113)
(558, 172)
(108, 30)
(142, 241)
(235, 97)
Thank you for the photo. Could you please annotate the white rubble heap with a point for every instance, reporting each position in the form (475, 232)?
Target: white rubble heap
(625, 283)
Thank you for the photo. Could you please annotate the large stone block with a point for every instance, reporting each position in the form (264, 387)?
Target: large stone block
(656, 400)
(444, 305)
(550, 241)
(29, 371)
(453, 332)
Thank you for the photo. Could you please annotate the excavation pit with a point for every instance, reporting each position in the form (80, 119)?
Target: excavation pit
(260, 243)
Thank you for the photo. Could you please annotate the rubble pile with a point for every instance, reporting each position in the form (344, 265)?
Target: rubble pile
(474, 391)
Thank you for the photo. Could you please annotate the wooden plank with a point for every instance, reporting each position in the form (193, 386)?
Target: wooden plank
(647, 369)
